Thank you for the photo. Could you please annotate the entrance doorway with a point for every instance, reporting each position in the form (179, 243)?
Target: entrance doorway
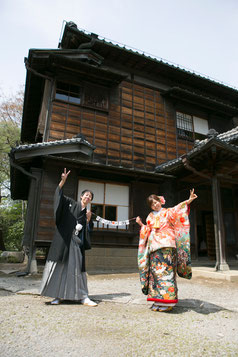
(206, 236)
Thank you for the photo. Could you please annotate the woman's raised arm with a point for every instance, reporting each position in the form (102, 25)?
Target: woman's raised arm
(192, 197)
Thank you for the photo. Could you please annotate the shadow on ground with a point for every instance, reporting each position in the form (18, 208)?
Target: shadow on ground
(199, 306)
(97, 298)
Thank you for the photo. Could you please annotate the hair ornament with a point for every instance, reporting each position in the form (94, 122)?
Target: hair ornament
(162, 200)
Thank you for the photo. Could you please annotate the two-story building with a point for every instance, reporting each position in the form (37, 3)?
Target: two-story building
(126, 125)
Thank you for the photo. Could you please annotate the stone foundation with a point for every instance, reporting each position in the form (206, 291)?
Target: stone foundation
(111, 259)
(13, 257)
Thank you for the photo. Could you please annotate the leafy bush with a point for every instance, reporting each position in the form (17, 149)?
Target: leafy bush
(12, 224)
(15, 235)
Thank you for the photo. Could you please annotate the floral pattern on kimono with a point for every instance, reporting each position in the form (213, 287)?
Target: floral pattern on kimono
(162, 286)
(169, 228)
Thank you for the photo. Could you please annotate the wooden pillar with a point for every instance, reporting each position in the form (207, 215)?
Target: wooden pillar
(219, 231)
(195, 234)
(30, 229)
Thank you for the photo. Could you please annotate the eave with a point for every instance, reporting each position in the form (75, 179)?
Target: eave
(106, 77)
(23, 157)
(34, 90)
(99, 171)
(52, 62)
(211, 157)
(211, 104)
(27, 152)
(73, 38)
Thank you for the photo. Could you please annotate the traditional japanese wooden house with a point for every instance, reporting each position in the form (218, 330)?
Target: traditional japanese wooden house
(126, 125)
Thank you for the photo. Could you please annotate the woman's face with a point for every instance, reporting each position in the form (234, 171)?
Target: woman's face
(86, 198)
(156, 205)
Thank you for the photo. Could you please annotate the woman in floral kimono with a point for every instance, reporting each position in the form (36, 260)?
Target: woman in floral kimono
(164, 250)
(64, 276)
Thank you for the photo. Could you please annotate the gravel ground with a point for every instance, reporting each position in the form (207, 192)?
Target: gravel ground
(204, 323)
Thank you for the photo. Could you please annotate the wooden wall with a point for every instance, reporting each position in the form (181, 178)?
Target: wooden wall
(138, 131)
(50, 180)
(46, 223)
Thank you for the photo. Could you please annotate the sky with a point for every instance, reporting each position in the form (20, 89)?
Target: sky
(198, 35)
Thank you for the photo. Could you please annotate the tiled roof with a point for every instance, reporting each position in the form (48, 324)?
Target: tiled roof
(227, 138)
(71, 26)
(47, 144)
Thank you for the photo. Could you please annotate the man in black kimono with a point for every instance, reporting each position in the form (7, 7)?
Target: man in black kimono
(64, 276)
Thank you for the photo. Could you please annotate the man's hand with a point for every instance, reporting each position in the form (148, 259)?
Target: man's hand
(64, 177)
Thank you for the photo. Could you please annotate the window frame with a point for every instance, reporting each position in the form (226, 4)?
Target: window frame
(101, 226)
(194, 135)
(180, 129)
(104, 205)
(99, 94)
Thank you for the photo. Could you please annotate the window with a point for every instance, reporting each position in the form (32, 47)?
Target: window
(92, 96)
(68, 93)
(111, 201)
(184, 125)
(95, 97)
(191, 127)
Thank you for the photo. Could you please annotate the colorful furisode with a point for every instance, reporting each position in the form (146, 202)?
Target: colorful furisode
(164, 250)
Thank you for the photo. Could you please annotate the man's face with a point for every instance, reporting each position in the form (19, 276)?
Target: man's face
(86, 198)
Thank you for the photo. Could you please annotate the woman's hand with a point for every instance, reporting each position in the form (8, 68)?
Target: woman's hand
(192, 196)
(139, 221)
(64, 177)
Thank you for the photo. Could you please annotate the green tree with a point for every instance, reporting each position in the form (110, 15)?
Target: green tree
(11, 213)
(10, 122)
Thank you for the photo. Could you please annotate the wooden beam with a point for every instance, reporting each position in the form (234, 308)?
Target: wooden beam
(190, 168)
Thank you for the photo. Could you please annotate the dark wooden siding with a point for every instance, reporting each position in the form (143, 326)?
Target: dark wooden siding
(139, 132)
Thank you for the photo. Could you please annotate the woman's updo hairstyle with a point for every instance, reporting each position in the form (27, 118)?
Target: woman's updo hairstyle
(152, 197)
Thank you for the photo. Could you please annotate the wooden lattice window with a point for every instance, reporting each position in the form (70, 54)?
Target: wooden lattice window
(184, 125)
(191, 127)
